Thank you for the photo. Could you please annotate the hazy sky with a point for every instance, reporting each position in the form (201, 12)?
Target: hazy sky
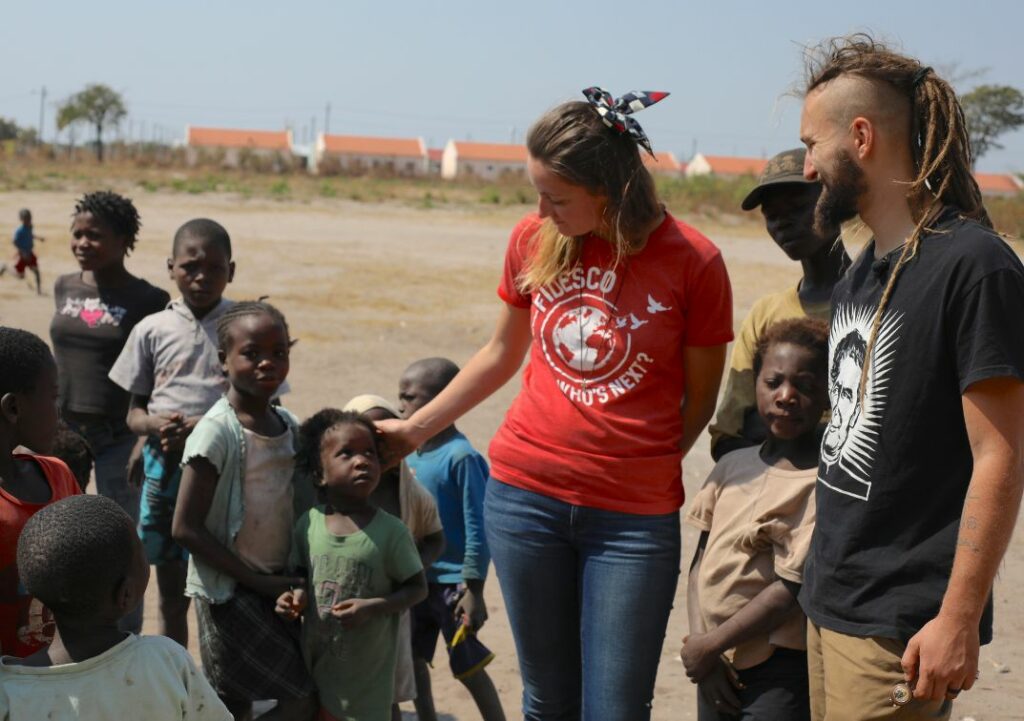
(475, 70)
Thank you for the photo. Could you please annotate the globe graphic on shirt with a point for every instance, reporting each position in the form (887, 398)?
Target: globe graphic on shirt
(583, 339)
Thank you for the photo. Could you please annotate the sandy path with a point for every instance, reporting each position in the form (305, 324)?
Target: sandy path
(368, 289)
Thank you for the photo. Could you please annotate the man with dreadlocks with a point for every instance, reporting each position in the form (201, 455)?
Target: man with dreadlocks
(919, 495)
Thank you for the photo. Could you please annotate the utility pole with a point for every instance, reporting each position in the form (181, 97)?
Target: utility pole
(327, 119)
(312, 130)
(42, 107)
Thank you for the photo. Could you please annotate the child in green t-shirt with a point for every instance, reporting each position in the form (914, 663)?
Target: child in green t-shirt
(363, 570)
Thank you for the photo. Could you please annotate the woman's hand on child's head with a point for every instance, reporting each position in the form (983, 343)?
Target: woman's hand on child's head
(355, 611)
(274, 586)
(291, 604)
(397, 441)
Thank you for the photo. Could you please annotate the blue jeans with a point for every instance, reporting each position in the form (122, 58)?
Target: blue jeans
(588, 594)
(111, 443)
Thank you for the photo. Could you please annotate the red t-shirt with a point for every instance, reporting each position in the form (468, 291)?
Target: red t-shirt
(597, 420)
(25, 624)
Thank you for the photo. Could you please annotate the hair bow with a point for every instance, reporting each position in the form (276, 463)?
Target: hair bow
(615, 112)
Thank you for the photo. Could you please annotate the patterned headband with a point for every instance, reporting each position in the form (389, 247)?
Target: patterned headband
(615, 112)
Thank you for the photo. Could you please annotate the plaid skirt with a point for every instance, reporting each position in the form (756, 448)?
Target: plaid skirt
(249, 653)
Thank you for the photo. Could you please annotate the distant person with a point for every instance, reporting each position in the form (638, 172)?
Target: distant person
(24, 247)
(28, 483)
(787, 201)
(96, 309)
(401, 495)
(921, 473)
(362, 569)
(81, 557)
(626, 313)
(747, 648)
(235, 516)
(455, 474)
(74, 450)
(170, 366)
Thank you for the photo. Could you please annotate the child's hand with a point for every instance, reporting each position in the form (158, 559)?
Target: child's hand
(700, 657)
(274, 586)
(291, 604)
(719, 689)
(355, 611)
(471, 610)
(175, 432)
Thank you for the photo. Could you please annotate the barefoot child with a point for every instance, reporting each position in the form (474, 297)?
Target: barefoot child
(747, 645)
(82, 558)
(235, 518)
(363, 571)
(456, 475)
(401, 495)
(28, 417)
(169, 364)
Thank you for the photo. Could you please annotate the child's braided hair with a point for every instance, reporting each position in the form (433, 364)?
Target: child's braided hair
(246, 308)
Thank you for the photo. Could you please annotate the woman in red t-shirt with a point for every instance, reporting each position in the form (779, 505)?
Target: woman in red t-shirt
(625, 312)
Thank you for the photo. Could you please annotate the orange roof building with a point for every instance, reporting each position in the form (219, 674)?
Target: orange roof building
(725, 166)
(361, 154)
(663, 163)
(280, 140)
(233, 148)
(999, 184)
(490, 161)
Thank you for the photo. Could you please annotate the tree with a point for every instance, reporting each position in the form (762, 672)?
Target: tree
(991, 111)
(98, 106)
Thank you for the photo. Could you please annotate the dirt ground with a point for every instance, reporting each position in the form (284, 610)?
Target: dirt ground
(369, 288)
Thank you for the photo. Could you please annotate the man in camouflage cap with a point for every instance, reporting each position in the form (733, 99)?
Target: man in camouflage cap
(787, 203)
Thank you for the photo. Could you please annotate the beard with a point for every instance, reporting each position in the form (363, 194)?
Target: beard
(841, 188)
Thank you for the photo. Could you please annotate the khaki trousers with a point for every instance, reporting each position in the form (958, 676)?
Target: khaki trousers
(852, 677)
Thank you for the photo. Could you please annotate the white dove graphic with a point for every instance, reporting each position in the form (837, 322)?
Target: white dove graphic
(620, 322)
(654, 306)
(636, 322)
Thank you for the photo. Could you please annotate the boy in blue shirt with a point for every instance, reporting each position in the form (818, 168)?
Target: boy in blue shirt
(24, 242)
(456, 475)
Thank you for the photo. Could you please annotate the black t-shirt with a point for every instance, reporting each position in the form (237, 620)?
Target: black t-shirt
(894, 471)
(88, 331)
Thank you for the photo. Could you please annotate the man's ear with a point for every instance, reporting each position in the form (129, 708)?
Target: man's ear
(231, 271)
(170, 268)
(864, 136)
(9, 407)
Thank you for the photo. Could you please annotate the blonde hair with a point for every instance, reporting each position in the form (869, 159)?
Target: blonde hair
(937, 138)
(573, 142)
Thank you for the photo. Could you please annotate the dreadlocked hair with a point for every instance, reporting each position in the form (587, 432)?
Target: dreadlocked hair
(242, 309)
(313, 430)
(936, 135)
(115, 211)
(573, 142)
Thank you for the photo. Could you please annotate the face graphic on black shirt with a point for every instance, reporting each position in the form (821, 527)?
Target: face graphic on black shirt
(844, 394)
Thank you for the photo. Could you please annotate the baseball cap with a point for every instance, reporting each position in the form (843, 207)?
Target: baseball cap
(785, 168)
